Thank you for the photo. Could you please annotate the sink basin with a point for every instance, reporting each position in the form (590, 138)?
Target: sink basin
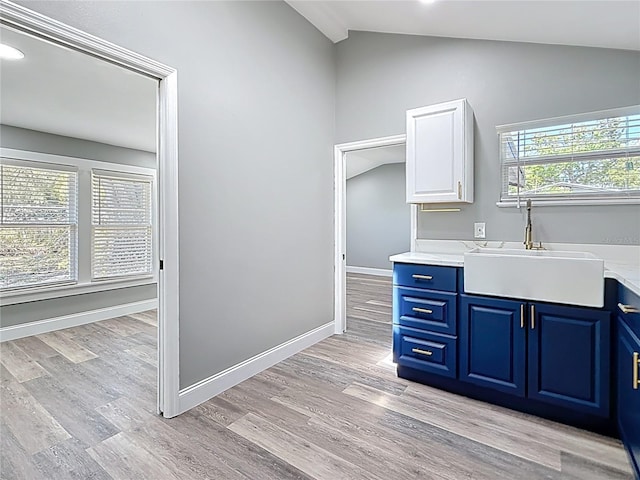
(575, 278)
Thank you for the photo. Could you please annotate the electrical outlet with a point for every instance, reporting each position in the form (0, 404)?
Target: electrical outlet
(479, 230)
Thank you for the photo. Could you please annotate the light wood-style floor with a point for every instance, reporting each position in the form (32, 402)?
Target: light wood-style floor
(80, 403)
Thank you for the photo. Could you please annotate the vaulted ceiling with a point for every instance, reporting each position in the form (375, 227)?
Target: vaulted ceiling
(591, 23)
(62, 91)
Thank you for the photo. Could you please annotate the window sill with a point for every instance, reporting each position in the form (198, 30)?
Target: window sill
(539, 202)
(47, 293)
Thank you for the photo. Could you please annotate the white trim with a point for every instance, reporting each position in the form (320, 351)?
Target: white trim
(579, 117)
(168, 340)
(67, 321)
(414, 226)
(218, 383)
(541, 202)
(168, 278)
(380, 272)
(340, 215)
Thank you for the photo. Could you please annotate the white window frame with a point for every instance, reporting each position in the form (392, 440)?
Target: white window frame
(604, 198)
(73, 206)
(84, 282)
(124, 176)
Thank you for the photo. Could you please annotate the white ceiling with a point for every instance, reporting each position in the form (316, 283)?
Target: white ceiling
(360, 161)
(61, 91)
(591, 23)
(57, 90)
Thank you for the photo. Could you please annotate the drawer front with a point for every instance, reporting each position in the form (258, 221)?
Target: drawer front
(429, 352)
(425, 276)
(425, 309)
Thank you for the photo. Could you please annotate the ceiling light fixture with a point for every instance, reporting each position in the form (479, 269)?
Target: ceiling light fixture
(10, 53)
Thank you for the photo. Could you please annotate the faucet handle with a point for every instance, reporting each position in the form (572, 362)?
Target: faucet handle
(538, 247)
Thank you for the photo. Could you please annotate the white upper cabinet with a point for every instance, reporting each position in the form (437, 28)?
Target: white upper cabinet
(440, 153)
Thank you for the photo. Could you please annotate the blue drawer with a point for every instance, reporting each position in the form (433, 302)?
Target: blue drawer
(425, 309)
(429, 352)
(425, 276)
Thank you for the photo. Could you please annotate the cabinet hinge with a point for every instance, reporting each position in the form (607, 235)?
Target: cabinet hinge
(161, 264)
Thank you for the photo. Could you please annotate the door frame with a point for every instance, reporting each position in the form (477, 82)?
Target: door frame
(340, 217)
(32, 22)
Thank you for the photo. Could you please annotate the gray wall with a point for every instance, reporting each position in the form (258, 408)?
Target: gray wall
(34, 141)
(378, 217)
(380, 76)
(21, 313)
(256, 129)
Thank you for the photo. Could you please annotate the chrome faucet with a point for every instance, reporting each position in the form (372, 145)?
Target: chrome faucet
(528, 232)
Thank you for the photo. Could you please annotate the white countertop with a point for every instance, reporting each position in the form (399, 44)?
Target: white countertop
(620, 262)
(627, 275)
(424, 258)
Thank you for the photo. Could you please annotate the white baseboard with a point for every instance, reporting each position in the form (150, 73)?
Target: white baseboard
(210, 387)
(370, 271)
(58, 323)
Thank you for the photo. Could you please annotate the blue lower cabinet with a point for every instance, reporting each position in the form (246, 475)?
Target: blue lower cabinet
(541, 358)
(425, 309)
(570, 357)
(493, 343)
(424, 351)
(549, 353)
(628, 388)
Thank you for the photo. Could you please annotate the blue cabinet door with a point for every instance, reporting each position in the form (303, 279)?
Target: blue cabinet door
(569, 357)
(493, 343)
(628, 347)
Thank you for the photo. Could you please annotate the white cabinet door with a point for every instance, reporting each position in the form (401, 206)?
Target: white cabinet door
(440, 153)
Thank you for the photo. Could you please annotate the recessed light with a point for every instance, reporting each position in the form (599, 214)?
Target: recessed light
(10, 53)
(427, 1)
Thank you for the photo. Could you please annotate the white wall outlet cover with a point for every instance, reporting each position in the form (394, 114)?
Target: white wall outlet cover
(479, 230)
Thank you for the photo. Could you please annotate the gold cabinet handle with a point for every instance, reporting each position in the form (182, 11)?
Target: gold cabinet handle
(533, 317)
(428, 353)
(421, 310)
(636, 362)
(459, 190)
(522, 315)
(628, 308)
(422, 277)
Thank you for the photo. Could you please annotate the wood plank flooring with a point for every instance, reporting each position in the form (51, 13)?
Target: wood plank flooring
(80, 404)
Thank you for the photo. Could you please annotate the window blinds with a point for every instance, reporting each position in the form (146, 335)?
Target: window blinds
(38, 224)
(121, 225)
(591, 155)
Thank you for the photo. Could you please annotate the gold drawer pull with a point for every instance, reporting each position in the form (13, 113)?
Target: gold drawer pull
(636, 362)
(421, 310)
(428, 353)
(628, 308)
(422, 277)
(533, 317)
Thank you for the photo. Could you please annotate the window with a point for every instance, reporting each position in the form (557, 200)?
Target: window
(121, 240)
(582, 159)
(38, 224)
(70, 226)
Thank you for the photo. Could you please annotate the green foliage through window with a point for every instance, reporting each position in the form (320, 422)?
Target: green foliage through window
(38, 225)
(599, 157)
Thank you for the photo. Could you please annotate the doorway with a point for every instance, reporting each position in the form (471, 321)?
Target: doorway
(341, 154)
(21, 19)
